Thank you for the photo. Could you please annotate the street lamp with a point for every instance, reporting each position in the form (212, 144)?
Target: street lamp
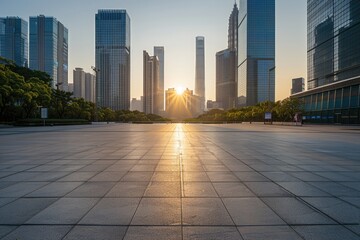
(96, 70)
(270, 69)
(57, 85)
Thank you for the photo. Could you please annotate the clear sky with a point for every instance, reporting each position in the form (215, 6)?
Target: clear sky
(173, 24)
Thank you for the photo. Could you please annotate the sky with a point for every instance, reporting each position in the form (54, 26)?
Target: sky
(173, 24)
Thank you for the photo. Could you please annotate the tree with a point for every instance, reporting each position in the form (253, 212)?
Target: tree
(60, 101)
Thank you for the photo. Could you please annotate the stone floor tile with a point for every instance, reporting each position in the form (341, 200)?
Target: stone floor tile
(232, 189)
(38, 232)
(55, 189)
(163, 189)
(199, 189)
(92, 189)
(153, 232)
(96, 233)
(128, 189)
(214, 233)
(268, 233)
(267, 189)
(335, 232)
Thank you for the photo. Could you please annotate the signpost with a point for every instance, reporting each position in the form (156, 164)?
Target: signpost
(44, 113)
(268, 117)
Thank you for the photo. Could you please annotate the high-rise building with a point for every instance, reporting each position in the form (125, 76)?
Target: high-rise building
(90, 82)
(226, 78)
(226, 67)
(151, 84)
(79, 83)
(49, 49)
(333, 55)
(200, 71)
(298, 85)
(256, 52)
(137, 104)
(14, 40)
(112, 44)
(159, 52)
(182, 106)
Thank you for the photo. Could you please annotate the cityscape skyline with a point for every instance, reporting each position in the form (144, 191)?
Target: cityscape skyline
(176, 35)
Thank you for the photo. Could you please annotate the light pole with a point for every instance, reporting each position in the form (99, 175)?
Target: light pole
(270, 69)
(96, 70)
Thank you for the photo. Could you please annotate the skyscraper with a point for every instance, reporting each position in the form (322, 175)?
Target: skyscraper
(226, 66)
(200, 71)
(159, 53)
(151, 84)
(256, 52)
(79, 83)
(298, 85)
(333, 55)
(14, 40)
(112, 43)
(90, 87)
(49, 49)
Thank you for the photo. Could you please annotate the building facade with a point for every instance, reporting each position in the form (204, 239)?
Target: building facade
(49, 49)
(298, 85)
(14, 40)
(151, 84)
(112, 44)
(79, 83)
(200, 70)
(137, 104)
(333, 62)
(256, 52)
(90, 87)
(159, 52)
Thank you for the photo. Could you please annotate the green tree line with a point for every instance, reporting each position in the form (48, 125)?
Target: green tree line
(24, 91)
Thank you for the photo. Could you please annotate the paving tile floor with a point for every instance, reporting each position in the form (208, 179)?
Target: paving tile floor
(180, 181)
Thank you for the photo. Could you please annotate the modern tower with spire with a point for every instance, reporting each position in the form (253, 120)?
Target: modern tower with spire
(200, 71)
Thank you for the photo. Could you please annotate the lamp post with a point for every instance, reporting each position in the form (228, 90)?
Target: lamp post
(270, 69)
(96, 70)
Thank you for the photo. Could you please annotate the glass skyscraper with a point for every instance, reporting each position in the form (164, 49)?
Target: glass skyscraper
(49, 49)
(159, 52)
(112, 43)
(256, 52)
(14, 40)
(333, 62)
(200, 71)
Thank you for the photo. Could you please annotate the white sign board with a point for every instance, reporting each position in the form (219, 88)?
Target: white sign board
(268, 116)
(44, 113)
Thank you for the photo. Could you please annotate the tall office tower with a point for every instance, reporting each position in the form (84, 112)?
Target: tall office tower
(200, 71)
(159, 53)
(49, 49)
(79, 83)
(112, 43)
(256, 52)
(233, 28)
(298, 85)
(333, 30)
(226, 78)
(151, 84)
(14, 40)
(90, 87)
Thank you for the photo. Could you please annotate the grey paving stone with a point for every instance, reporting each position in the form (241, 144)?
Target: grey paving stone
(38, 232)
(153, 232)
(4, 201)
(128, 189)
(196, 177)
(107, 177)
(232, 189)
(166, 176)
(55, 189)
(280, 177)
(336, 189)
(64, 211)
(112, 211)
(302, 189)
(293, 211)
(163, 189)
(205, 211)
(267, 189)
(158, 211)
(137, 177)
(251, 211)
(21, 210)
(268, 233)
(214, 233)
(96, 233)
(352, 200)
(199, 189)
(222, 176)
(335, 232)
(77, 177)
(337, 209)
(251, 177)
(92, 189)
(4, 230)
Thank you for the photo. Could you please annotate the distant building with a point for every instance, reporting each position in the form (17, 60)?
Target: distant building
(137, 104)
(160, 54)
(90, 87)
(49, 49)
(79, 83)
(333, 62)
(200, 71)
(233, 28)
(112, 44)
(185, 105)
(151, 84)
(71, 87)
(14, 40)
(210, 104)
(256, 52)
(298, 85)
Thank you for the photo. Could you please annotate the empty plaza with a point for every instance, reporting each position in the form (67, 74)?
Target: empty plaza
(180, 181)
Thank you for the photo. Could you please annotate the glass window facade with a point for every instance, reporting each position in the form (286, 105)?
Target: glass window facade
(112, 44)
(256, 52)
(14, 40)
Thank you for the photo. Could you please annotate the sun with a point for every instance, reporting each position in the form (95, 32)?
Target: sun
(179, 90)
